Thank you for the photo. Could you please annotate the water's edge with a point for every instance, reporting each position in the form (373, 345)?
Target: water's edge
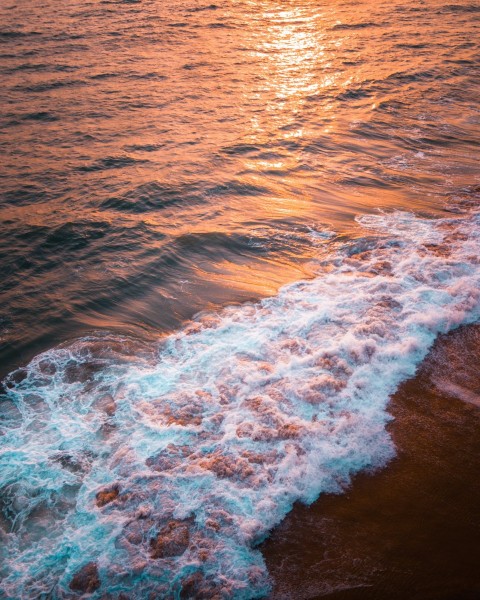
(411, 529)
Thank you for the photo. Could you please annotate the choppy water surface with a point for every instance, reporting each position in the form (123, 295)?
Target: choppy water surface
(160, 159)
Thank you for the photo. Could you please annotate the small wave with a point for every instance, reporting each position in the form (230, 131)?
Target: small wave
(44, 116)
(203, 8)
(353, 26)
(461, 8)
(73, 236)
(51, 85)
(153, 196)
(220, 25)
(405, 77)
(240, 149)
(239, 188)
(111, 162)
(13, 34)
(144, 147)
(25, 194)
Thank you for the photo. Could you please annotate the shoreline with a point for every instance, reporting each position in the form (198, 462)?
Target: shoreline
(411, 530)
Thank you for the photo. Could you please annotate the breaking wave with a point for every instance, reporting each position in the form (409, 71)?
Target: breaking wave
(127, 468)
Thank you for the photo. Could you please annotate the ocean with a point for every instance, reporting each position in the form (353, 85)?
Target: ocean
(230, 234)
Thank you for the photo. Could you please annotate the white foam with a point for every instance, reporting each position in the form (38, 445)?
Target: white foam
(227, 423)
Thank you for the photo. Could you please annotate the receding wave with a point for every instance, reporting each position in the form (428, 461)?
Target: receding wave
(138, 469)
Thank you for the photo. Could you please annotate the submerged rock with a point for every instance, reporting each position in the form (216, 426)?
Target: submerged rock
(107, 495)
(172, 540)
(87, 579)
(226, 467)
(79, 372)
(106, 404)
(172, 456)
(195, 586)
(76, 462)
(16, 377)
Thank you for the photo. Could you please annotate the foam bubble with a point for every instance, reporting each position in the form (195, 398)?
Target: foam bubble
(138, 469)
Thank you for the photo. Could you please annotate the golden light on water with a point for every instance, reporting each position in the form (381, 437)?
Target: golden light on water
(292, 56)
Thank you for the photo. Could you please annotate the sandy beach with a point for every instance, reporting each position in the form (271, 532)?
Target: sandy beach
(411, 530)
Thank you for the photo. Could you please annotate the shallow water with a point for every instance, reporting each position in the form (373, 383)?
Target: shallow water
(164, 159)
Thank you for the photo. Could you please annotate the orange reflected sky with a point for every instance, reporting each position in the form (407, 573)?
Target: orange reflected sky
(208, 144)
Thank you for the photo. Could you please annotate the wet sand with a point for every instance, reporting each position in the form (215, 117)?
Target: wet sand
(412, 530)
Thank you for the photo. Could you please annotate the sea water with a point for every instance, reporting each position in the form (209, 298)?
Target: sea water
(302, 178)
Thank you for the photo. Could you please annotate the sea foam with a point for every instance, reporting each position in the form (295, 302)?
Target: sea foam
(160, 468)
